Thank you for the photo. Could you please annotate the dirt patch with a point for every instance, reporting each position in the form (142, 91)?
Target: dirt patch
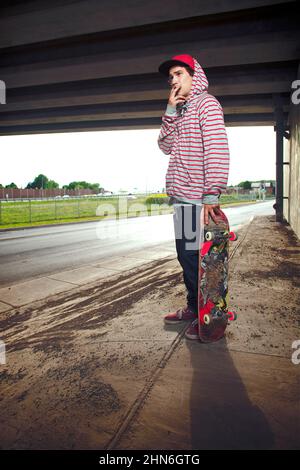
(81, 367)
(264, 289)
(51, 326)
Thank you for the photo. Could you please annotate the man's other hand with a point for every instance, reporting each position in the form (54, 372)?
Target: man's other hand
(212, 210)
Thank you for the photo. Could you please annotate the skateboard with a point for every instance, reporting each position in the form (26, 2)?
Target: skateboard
(213, 314)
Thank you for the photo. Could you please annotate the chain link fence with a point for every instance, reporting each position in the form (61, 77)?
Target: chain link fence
(36, 211)
(29, 211)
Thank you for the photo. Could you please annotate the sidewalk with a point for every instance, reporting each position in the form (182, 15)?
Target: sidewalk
(30, 291)
(103, 351)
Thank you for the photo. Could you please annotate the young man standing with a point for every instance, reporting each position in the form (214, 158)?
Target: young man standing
(194, 135)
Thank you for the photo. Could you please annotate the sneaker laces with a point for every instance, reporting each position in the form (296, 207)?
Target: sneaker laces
(182, 311)
(179, 313)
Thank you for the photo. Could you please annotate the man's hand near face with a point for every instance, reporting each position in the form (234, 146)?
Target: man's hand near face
(212, 210)
(175, 98)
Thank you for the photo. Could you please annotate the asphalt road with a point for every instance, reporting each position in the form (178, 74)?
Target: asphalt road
(34, 252)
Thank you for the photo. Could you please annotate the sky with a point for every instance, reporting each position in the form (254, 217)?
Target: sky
(123, 160)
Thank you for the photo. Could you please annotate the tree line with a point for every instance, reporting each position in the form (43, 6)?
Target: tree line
(42, 182)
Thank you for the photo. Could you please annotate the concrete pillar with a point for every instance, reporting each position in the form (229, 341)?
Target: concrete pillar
(292, 180)
(280, 129)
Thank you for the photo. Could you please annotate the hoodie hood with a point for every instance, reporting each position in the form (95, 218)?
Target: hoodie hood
(199, 83)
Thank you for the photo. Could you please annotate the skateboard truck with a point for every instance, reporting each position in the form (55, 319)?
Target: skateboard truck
(232, 316)
(211, 236)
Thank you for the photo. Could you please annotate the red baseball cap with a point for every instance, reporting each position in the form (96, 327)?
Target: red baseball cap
(183, 59)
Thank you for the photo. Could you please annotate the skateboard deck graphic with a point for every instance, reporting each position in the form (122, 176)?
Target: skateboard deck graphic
(213, 314)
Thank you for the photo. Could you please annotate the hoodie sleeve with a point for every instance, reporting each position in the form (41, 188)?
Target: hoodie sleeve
(216, 151)
(167, 130)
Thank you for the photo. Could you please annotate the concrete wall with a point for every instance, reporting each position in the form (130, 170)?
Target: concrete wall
(292, 171)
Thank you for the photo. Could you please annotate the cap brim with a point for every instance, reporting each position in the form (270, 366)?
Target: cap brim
(165, 66)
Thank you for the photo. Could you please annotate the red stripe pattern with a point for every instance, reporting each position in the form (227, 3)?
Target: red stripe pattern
(197, 144)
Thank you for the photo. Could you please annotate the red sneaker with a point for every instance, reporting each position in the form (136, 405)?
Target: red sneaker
(193, 330)
(183, 314)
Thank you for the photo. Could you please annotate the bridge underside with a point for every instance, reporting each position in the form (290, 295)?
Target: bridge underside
(90, 65)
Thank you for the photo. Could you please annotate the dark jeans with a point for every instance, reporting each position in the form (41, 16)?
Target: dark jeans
(187, 225)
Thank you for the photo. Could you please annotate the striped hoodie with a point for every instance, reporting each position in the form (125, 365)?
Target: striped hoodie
(195, 138)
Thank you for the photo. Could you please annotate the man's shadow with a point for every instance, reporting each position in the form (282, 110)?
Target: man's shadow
(222, 416)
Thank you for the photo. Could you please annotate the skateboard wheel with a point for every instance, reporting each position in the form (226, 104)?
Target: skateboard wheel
(232, 316)
(233, 236)
(208, 236)
(206, 319)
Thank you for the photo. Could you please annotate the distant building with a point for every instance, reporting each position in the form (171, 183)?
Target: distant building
(268, 187)
(256, 185)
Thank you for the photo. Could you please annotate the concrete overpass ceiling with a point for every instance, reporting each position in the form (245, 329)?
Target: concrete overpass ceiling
(90, 65)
